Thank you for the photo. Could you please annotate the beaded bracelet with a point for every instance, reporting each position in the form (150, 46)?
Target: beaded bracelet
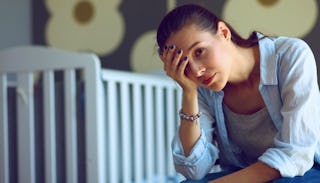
(192, 118)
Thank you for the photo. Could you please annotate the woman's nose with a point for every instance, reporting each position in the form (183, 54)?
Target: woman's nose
(197, 69)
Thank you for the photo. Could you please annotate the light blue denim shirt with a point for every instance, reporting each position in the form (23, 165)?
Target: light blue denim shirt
(290, 91)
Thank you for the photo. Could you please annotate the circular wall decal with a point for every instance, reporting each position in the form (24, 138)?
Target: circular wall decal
(144, 56)
(96, 26)
(268, 2)
(83, 12)
(293, 18)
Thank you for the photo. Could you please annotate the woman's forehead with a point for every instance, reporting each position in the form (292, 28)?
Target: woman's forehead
(189, 35)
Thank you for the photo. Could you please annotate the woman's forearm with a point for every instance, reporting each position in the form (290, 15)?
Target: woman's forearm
(189, 131)
(258, 172)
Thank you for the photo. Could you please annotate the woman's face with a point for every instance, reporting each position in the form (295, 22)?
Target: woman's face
(209, 61)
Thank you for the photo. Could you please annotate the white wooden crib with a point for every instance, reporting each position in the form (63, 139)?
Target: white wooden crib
(64, 119)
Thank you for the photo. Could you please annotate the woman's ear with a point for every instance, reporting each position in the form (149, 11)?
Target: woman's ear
(224, 31)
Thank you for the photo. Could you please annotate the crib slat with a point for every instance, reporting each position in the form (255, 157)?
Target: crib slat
(125, 131)
(26, 128)
(112, 120)
(149, 136)
(170, 111)
(137, 133)
(49, 127)
(95, 123)
(4, 136)
(70, 126)
(160, 143)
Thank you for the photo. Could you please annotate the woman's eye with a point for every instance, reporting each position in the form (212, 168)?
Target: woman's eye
(198, 52)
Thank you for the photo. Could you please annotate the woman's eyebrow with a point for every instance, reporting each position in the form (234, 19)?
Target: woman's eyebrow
(193, 45)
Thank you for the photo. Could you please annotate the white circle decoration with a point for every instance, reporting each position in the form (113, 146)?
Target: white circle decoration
(144, 56)
(294, 18)
(85, 25)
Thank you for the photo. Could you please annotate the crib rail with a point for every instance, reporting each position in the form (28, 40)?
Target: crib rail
(39, 128)
(63, 119)
(141, 118)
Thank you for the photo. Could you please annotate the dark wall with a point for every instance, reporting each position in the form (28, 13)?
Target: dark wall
(131, 46)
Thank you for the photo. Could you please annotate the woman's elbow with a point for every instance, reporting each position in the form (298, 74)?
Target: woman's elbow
(191, 172)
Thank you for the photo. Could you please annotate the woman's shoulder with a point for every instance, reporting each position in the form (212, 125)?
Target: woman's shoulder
(289, 45)
(289, 48)
(294, 53)
(283, 43)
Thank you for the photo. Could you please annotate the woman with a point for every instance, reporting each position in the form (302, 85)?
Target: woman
(251, 104)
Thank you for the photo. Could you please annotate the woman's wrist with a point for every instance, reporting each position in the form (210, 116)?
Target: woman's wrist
(194, 118)
(190, 90)
(190, 102)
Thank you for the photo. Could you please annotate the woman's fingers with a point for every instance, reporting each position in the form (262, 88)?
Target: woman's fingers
(175, 65)
(182, 67)
(177, 58)
(171, 57)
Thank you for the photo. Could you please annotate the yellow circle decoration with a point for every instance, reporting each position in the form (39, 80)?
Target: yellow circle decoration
(144, 56)
(83, 12)
(293, 18)
(85, 25)
(268, 2)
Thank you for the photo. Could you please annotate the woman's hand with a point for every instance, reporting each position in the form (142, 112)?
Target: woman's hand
(175, 66)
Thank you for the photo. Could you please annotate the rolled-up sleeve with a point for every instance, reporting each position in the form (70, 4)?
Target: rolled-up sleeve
(204, 153)
(201, 159)
(296, 141)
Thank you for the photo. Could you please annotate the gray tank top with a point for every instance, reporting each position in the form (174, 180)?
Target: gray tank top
(253, 133)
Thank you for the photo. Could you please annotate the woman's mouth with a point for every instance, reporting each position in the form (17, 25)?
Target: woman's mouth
(207, 81)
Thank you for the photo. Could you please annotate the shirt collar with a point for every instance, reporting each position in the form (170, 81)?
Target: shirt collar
(268, 60)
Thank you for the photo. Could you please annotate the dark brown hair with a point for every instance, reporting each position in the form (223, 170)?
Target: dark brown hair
(202, 18)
